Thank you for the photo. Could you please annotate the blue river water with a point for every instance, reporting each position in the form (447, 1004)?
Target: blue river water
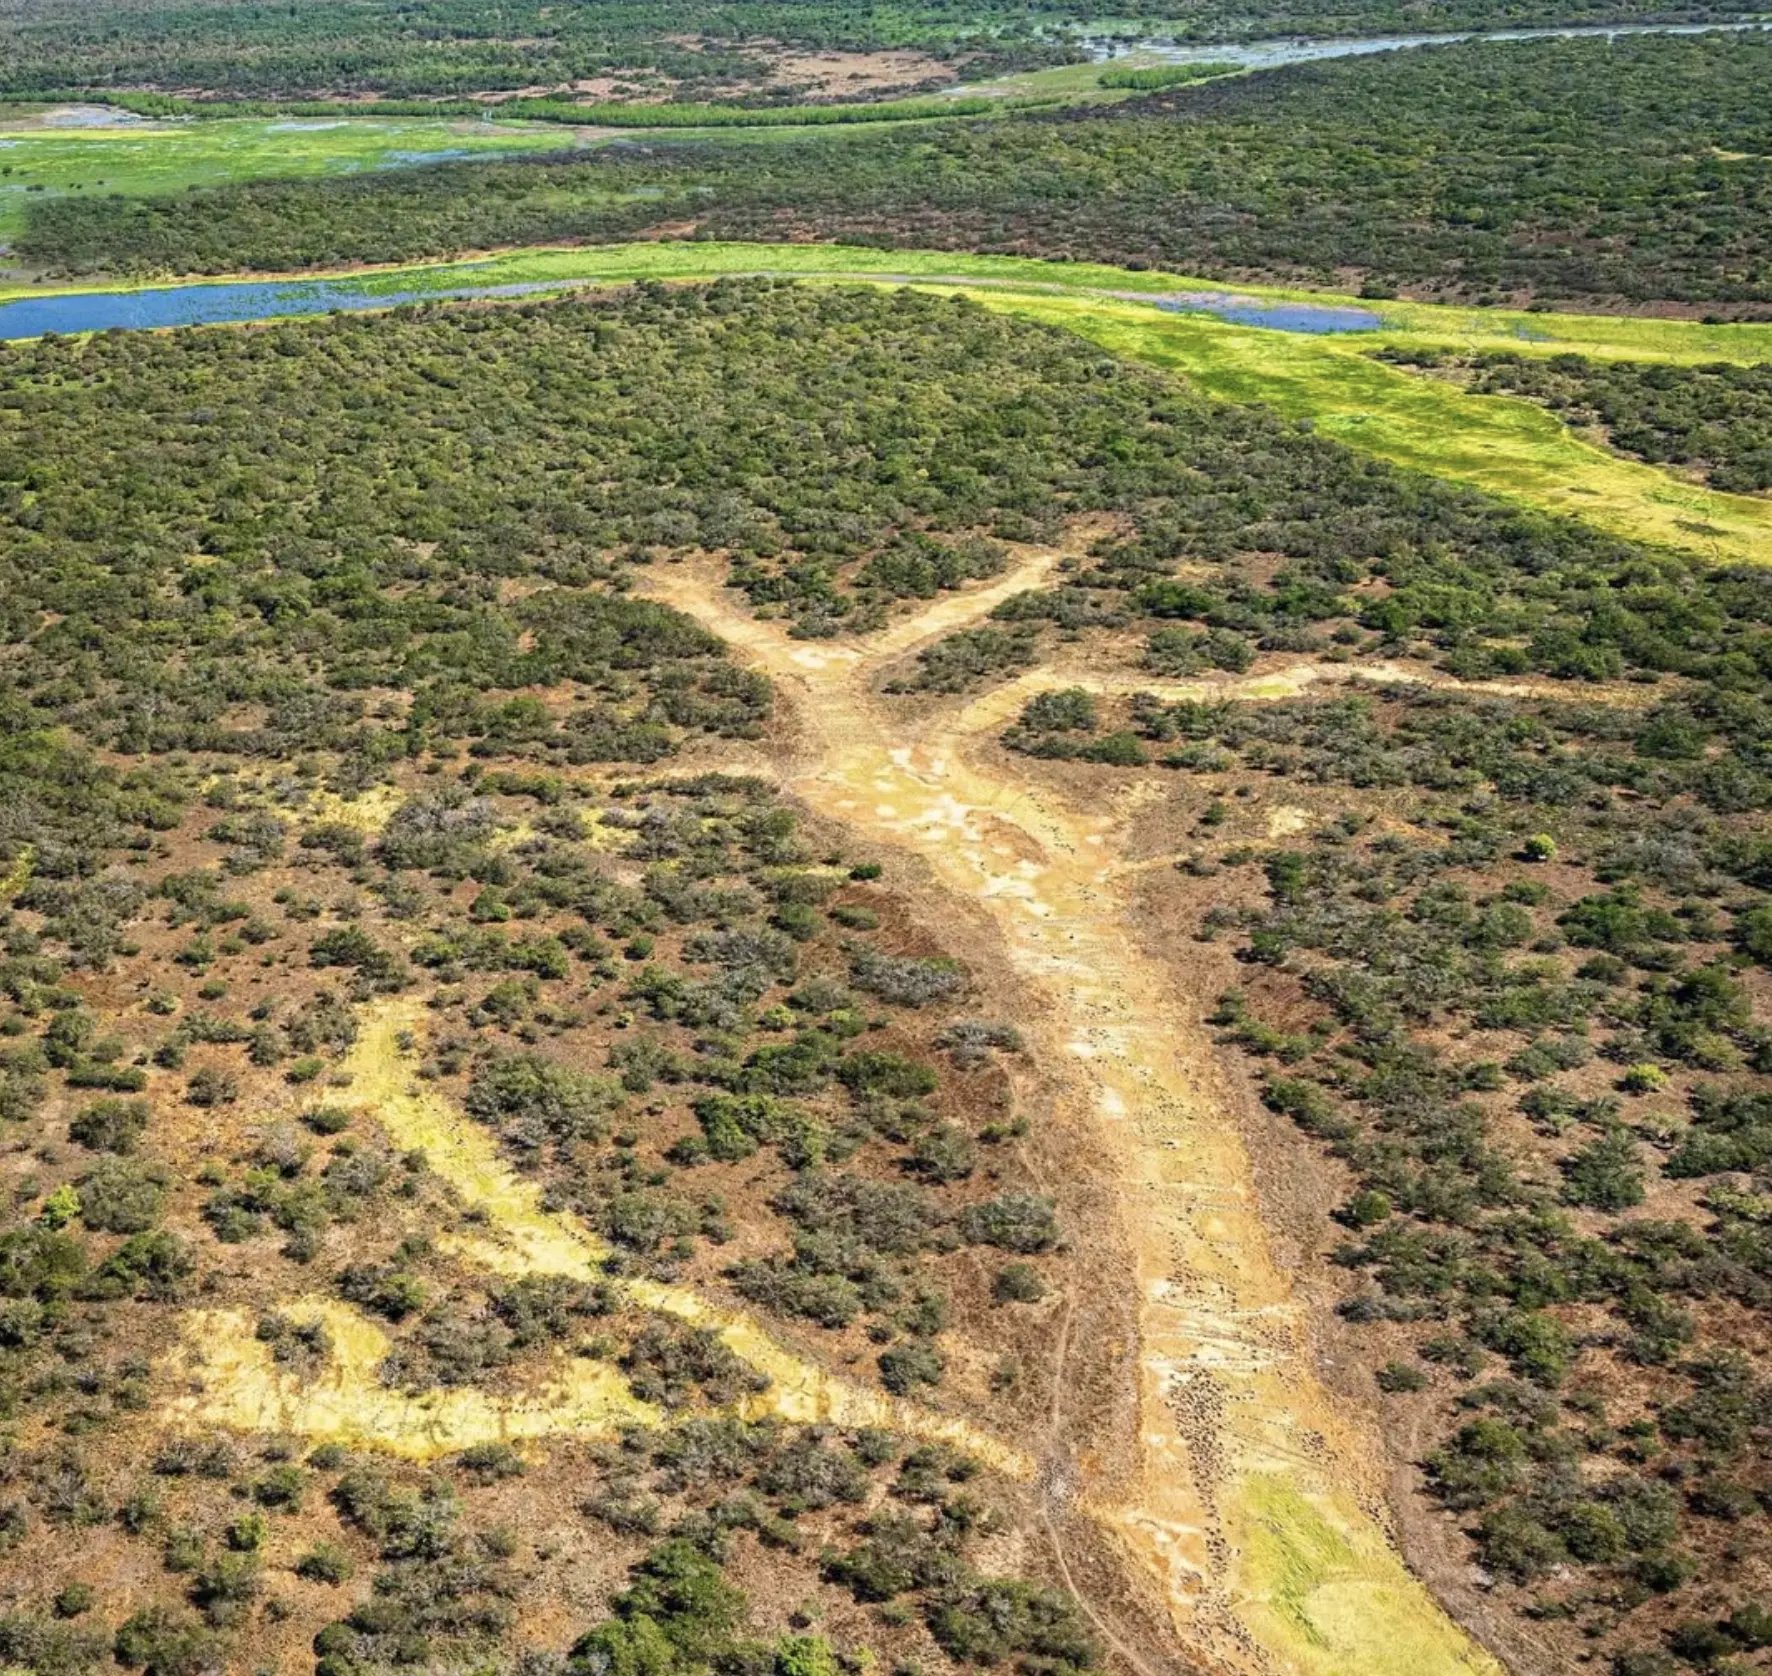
(69, 312)
(1275, 316)
(1269, 55)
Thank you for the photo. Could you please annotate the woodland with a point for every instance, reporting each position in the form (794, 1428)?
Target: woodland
(1564, 173)
(495, 1182)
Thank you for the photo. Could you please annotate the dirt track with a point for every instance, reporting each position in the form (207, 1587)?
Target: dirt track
(1247, 1500)
(1255, 1501)
(241, 1386)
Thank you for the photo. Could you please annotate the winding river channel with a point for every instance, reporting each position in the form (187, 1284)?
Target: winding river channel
(72, 312)
(1270, 55)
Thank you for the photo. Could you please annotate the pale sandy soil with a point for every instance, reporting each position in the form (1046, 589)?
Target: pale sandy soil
(1254, 1498)
(233, 1381)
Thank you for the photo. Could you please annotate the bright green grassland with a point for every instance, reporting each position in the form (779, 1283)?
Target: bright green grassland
(1605, 336)
(149, 159)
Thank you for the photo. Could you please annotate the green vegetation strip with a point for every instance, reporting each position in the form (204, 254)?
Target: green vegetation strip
(1504, 445)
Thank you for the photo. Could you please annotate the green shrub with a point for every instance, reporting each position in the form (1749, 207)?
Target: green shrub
(1018, 1283)
(1019, 1222)
(122, 1196)
(110, 1125)
(532, 1101)
(325, 1562)
(906, 1366)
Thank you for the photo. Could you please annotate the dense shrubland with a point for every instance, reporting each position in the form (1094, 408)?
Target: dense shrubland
(567, 440)
(309, 707)
(714, 48)
(1514, 983)
(1714, 419)
(471, 454)
(1633, 170)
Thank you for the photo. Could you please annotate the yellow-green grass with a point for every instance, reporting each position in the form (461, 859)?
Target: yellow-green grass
(1501, 444)
(1614, 336)
(153, 159)
(1074, 83)
(1309, 1590)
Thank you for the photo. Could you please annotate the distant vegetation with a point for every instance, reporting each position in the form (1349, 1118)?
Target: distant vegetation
(52, 161)
(720, 48)
(1225, 20)
(1569, 171)
(1716, 419)
(704, 48)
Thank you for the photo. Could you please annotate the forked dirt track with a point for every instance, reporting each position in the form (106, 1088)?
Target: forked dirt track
(1241, 1498)
(1249, 1496)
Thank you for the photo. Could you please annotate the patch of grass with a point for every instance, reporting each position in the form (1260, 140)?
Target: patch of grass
(1603, 336)
(1331, 1606)
(245, 1389)
(1150, 78)
(147, 160)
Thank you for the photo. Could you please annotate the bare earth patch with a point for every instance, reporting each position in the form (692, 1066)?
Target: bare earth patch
(1253, 1498)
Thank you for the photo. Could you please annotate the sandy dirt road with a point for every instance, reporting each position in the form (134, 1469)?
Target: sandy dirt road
(1255, 1504)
